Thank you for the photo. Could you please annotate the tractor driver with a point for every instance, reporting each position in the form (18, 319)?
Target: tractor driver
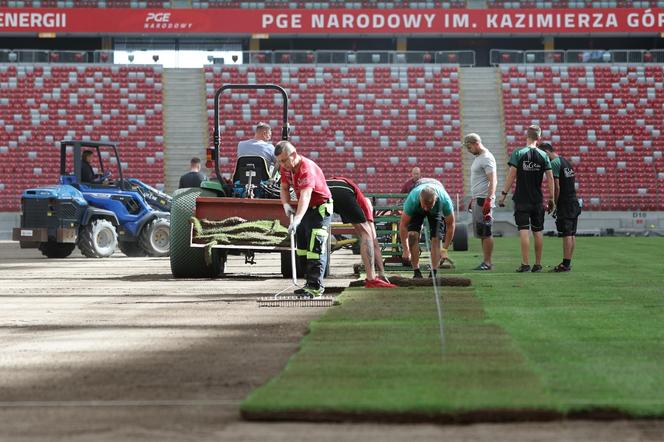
(260, 146)
(87, 173)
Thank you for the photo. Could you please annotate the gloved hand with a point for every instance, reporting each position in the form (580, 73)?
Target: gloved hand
(443, 254)
(486, 207)
(550, 206)
(288, 209)
(293, 225)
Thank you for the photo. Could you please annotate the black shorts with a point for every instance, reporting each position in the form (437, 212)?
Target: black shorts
(529, 216)
(437, 226)
(567, 215)
(346, 205)
(566, 226)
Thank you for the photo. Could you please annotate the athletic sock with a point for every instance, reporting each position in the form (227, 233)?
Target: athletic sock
(567, 262)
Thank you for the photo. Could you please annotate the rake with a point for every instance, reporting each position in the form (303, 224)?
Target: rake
(294, 301)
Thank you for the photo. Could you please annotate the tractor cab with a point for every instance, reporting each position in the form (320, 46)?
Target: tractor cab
(79, 159)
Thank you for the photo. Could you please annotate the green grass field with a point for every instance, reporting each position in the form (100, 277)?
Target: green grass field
(517, 346)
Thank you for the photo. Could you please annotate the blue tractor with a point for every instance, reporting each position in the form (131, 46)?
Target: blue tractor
(94, 212)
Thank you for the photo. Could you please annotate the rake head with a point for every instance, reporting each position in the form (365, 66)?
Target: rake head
(294, 301)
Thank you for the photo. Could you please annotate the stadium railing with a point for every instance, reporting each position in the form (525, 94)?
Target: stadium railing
(462, 58)
(510, 56)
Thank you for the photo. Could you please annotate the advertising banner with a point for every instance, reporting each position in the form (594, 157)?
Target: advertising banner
(330, 21)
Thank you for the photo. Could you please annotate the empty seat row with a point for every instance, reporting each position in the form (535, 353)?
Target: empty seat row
(606, 119)
(372, 124)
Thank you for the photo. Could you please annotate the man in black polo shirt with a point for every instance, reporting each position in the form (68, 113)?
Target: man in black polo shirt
(567, 205)
(528, 166)
(194, 177)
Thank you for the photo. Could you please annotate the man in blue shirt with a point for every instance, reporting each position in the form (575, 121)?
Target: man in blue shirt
(427, 200)
(259, 146)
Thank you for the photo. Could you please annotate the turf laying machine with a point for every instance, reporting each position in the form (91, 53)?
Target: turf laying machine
(215, 220)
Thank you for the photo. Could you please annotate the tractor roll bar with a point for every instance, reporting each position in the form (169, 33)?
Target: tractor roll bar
(217, 95)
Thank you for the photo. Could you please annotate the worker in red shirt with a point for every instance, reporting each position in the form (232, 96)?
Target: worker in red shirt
(312, 218)
(356, 209)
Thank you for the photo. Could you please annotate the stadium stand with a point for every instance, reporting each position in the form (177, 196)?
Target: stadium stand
(606, 118)
(373, 123)
(370, 121)
(41, 104)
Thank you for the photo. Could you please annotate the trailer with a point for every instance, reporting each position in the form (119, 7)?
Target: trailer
(196, 254)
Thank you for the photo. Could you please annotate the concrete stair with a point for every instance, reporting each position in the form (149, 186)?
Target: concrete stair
(185, 122)
(482, 113)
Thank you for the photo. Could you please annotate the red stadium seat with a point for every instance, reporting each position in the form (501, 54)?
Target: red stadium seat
(616, 126)
(356, 115)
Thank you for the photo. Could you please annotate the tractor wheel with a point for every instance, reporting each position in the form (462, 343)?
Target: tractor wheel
(53, 249)
(131, 249)
(460, 240)
(154, 238)
(186, 261)
(98, 239)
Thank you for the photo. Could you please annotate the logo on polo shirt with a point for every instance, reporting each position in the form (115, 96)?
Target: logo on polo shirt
(530, 166)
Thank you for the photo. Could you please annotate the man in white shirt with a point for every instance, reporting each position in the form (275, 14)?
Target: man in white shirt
(259, 146)
(483, 182)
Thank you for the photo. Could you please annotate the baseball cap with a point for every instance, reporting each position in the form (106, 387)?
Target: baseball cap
(470, 139)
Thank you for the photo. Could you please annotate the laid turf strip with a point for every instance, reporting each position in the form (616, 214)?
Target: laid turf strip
(595, 336)
(380, 353)
(589, 343)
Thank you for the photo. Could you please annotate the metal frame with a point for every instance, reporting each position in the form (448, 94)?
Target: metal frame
(226, 87)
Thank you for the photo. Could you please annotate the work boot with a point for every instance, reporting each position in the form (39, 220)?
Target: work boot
(560, 268)
(377, 284)
(483, 266)
(314, 292)
(383, 278)
(524, 268)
